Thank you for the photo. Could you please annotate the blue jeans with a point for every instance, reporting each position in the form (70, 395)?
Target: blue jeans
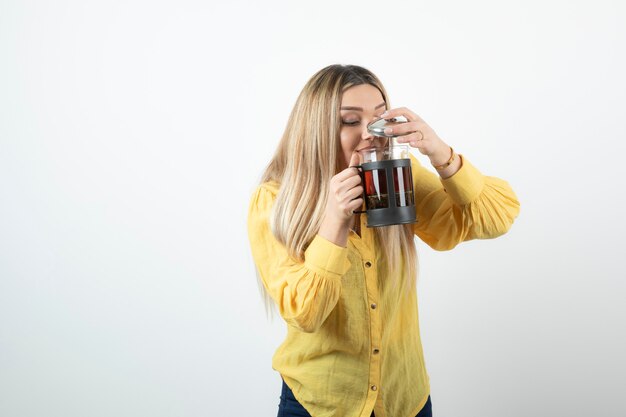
(290, 407)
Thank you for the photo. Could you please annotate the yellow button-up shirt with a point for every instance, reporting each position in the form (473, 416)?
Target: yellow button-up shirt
(353, 342)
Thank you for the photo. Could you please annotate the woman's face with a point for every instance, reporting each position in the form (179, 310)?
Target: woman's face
(360, 105)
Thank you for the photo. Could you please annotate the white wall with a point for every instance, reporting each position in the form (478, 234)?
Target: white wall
(133, 132)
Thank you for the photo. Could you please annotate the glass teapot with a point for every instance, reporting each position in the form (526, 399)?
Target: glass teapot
(387, 178)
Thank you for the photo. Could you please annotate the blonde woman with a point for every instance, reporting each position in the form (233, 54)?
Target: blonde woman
(348, 292)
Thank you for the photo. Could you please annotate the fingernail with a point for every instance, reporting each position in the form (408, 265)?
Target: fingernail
(388, 130)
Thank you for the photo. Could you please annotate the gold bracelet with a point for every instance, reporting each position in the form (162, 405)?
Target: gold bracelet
(447, 164)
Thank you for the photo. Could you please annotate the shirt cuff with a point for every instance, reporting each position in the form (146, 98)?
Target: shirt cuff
(325, 257)
(465, 185)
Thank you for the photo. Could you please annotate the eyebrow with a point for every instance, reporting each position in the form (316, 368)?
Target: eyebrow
(360, 108)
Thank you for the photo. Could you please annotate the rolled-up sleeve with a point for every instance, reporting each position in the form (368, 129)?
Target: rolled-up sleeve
(468, 205)
(305, 291)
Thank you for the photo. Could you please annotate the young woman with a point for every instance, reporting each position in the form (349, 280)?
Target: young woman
(348, 292)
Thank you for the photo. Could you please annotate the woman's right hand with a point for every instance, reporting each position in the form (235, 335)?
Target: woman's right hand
(344, 196)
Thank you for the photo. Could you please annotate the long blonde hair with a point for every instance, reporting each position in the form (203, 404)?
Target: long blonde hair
(307, 158)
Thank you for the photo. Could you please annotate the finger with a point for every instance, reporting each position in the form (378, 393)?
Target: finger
(354, 193)
(411, 137)
(351, 179)
(349, 184)
(391, 113)
(345, 174)
(354, 159)
(352, 169)
(401, 111)
(418, 144)
(354, 204)
(403, 128)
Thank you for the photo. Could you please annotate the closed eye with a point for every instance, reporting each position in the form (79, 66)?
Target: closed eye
(350, 123)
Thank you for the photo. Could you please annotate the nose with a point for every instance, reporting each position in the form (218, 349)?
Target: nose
(366, 135)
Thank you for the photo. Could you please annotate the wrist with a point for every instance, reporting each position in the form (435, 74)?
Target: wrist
(443, 159)
(451, 168)
(335, 230)
(441, 156)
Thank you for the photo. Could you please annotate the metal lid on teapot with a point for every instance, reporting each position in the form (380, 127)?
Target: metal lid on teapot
(377, 127)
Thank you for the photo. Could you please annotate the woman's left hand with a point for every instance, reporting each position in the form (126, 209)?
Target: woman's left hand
(418, 134)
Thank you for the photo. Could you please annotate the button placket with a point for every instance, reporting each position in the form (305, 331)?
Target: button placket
(371, 284)
(365, 246)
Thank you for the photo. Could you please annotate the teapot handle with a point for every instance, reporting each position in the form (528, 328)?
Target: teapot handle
(360, 169)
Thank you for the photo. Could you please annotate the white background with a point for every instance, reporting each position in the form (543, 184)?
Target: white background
(132, 134)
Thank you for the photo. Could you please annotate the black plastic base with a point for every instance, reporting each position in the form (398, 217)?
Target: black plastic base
(391, 216)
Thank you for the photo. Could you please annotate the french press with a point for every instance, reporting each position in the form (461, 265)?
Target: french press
(387, 177)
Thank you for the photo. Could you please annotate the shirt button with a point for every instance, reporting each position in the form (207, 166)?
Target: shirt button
(368, 264)
(374, 387)
(376, 351)
(373, 306)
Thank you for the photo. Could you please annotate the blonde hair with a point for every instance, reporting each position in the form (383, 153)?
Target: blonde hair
(306, 159)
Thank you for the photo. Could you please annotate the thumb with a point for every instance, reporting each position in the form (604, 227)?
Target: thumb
(354, 160)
